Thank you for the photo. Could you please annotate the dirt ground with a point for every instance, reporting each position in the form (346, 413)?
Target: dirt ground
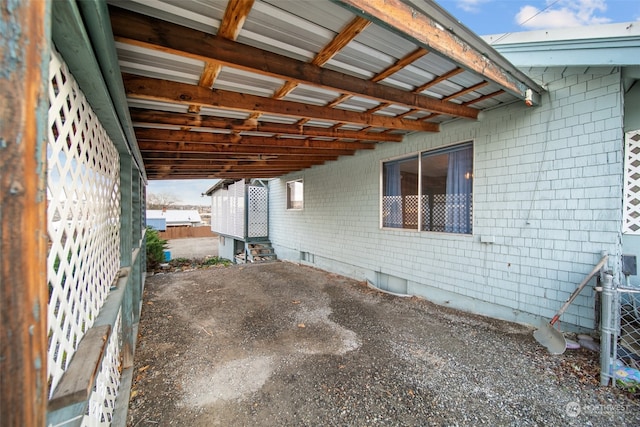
(278, 344)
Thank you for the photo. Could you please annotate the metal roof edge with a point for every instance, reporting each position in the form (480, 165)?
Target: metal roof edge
(597, 45)
(591, 32)
(573, 54)
(219, 185)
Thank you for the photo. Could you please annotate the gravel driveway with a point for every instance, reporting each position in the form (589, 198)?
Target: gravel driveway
(279, 344)
(193, 247)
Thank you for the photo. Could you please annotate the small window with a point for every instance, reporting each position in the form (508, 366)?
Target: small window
(431, 191)
(295, 195)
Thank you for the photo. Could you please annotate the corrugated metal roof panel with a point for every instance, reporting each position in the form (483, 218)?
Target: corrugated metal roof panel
(356, 103)
(159, 65)
(417, 115)
(319, 123)
(236, 80)
(157, 105)
(278, 119)
(312, 95)
(410, 77)
(383, 40)
(434, 63)
(292, 32)
(187, 13)
(357, 56)
(298, 30)
(327, 14)
(218, 112)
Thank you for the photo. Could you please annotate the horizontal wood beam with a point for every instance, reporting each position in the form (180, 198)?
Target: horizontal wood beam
(77, 382)
(151, 33)
(180, 147)
(400, 64)
(214, 169)
(348, 33)
(221, 138)
(467, 90)
(219, 175)
(153, 155)
(148, 88)
(156, 164)
(155, 117)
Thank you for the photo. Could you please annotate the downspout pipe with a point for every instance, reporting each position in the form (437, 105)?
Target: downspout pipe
(606, 330)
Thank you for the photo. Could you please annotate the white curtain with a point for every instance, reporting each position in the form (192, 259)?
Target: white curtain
(392, 198)
(459, 191)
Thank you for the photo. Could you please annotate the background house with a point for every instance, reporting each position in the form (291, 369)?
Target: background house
(173, 218)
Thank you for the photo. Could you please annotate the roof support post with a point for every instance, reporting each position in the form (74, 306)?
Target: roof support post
(24, 53)
(126, 258)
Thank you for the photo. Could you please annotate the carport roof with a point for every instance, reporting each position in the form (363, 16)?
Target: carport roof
(241, 88)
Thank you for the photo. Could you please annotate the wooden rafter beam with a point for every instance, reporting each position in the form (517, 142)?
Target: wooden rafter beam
(223, 139)
(428, 33)
(152, 33)
(195, 157)
(162, 90)
(219, 175)
(348, 33)
(156, 163)
(155, 117)
(213, 169)
(234, 16)
(466, 90)
(343, 38)
(229, 168)
(484, 97)
(180, 147)
(392, 69)
(400, 64)
(442, 78)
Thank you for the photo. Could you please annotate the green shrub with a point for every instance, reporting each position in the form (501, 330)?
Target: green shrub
(155, 249)
(216, 261)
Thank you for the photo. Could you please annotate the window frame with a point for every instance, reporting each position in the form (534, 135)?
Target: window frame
(289, 202)
(420, 156)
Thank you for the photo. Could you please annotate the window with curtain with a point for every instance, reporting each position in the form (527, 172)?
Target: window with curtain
(431, 191)
(295, 195)
(400, 193)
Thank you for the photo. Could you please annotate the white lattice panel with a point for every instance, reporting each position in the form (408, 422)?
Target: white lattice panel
(392, 211)
(237, 214)
(83, 217)
(103, 398)
(411, 207)
(258, 217)
(632, 183)
(227, 209)
(425, 212)
(439, 212)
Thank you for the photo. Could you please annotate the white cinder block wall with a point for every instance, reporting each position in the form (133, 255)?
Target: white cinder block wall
(547, 187)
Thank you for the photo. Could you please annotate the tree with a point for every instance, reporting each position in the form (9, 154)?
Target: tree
(161, 200)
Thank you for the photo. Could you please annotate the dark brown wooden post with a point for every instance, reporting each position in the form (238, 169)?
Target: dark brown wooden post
(24, 55)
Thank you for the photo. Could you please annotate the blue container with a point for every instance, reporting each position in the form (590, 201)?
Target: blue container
(167, 256)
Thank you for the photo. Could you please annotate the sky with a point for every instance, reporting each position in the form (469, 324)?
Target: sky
(482, 17)
(183, 191)
(506, 16)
